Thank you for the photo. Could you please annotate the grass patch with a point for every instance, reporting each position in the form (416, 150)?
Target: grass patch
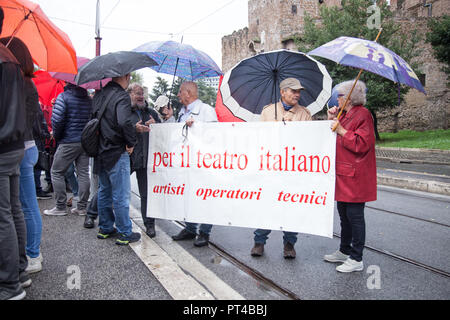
(432, 139)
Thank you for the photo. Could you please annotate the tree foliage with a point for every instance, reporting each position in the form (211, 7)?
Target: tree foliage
(137, 77)
(439, 38)
(161, 87)
(351, 20)
(206, 94)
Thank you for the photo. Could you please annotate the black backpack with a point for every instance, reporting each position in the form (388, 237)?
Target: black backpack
(90, 136)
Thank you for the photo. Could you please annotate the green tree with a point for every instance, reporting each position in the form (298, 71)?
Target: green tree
(439, 38)
(176, 104)
(206, 94)
(137, 77)
(161, 87)
(351, 20)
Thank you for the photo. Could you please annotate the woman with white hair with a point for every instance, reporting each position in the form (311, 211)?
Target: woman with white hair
(356, 175)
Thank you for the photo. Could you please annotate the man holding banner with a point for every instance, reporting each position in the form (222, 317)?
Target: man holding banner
(286, 110)
(194, 110)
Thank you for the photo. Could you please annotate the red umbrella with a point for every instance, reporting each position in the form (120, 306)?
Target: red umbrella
(48, 88)
(69, 77)
(223, 113)
(50, 47)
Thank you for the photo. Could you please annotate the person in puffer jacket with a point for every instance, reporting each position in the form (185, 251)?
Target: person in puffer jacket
(71, 112)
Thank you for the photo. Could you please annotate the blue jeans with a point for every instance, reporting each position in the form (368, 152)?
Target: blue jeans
(261, 235)
(353, 229)
(29, 202)
(114, 191)
(204, 228)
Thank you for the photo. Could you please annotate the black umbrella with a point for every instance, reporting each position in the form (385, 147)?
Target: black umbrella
(115, 64)
(255, 82)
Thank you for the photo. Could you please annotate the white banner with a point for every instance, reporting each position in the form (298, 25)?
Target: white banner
(269, 175)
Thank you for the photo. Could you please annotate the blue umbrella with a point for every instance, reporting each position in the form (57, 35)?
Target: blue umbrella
(180, 60)
(370, 56)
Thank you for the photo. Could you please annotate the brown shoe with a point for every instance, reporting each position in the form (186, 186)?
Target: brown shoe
(69, 202)
(289, 251)
(257, 250)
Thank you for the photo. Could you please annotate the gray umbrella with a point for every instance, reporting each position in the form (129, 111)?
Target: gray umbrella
(110, 65)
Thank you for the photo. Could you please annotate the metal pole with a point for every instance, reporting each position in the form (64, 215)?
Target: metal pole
(98, 39)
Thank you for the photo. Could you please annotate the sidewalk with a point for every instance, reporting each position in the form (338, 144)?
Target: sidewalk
(415, 169)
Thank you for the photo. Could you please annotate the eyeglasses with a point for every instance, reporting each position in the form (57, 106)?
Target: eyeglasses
(341, 95)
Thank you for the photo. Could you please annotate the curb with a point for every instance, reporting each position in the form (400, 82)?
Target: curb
(439, 151)
(415, 184)
(401, 160)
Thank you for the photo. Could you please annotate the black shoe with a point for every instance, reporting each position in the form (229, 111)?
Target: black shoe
(89, 222)
(201, 240)
(41, 195)
(151, 231)
(24, 279)
(184, 235)
(124, 240)
(105, 235)
(12, 294)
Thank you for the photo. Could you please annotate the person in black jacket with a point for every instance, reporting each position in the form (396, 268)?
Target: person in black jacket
(142, 114)
(27, 193)
(40, 134)
(13, 259)
(116, 144)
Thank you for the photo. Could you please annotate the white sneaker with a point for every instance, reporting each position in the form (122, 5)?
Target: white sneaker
(337, 256)
(79, 212)
(34, 265)
(55, 212)
(350, 265)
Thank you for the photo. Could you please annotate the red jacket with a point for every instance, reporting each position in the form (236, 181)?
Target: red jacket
(356, 171)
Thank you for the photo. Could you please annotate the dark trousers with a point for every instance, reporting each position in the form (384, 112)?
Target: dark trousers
(353, 229)
(141, 176)
(37, 178)
(13, 232)
(92, 208)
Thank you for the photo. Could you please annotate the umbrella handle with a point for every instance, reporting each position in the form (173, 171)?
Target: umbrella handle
(347, 99)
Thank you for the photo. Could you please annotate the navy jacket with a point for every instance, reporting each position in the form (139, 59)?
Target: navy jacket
(71, 112)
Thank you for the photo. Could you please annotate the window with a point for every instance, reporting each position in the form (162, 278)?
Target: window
(294, 9)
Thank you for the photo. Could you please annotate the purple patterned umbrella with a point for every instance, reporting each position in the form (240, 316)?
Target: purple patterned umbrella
(370, 56)
(180, 60)
(68, 77)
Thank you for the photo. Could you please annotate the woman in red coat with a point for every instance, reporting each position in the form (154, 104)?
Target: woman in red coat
(356, 174)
